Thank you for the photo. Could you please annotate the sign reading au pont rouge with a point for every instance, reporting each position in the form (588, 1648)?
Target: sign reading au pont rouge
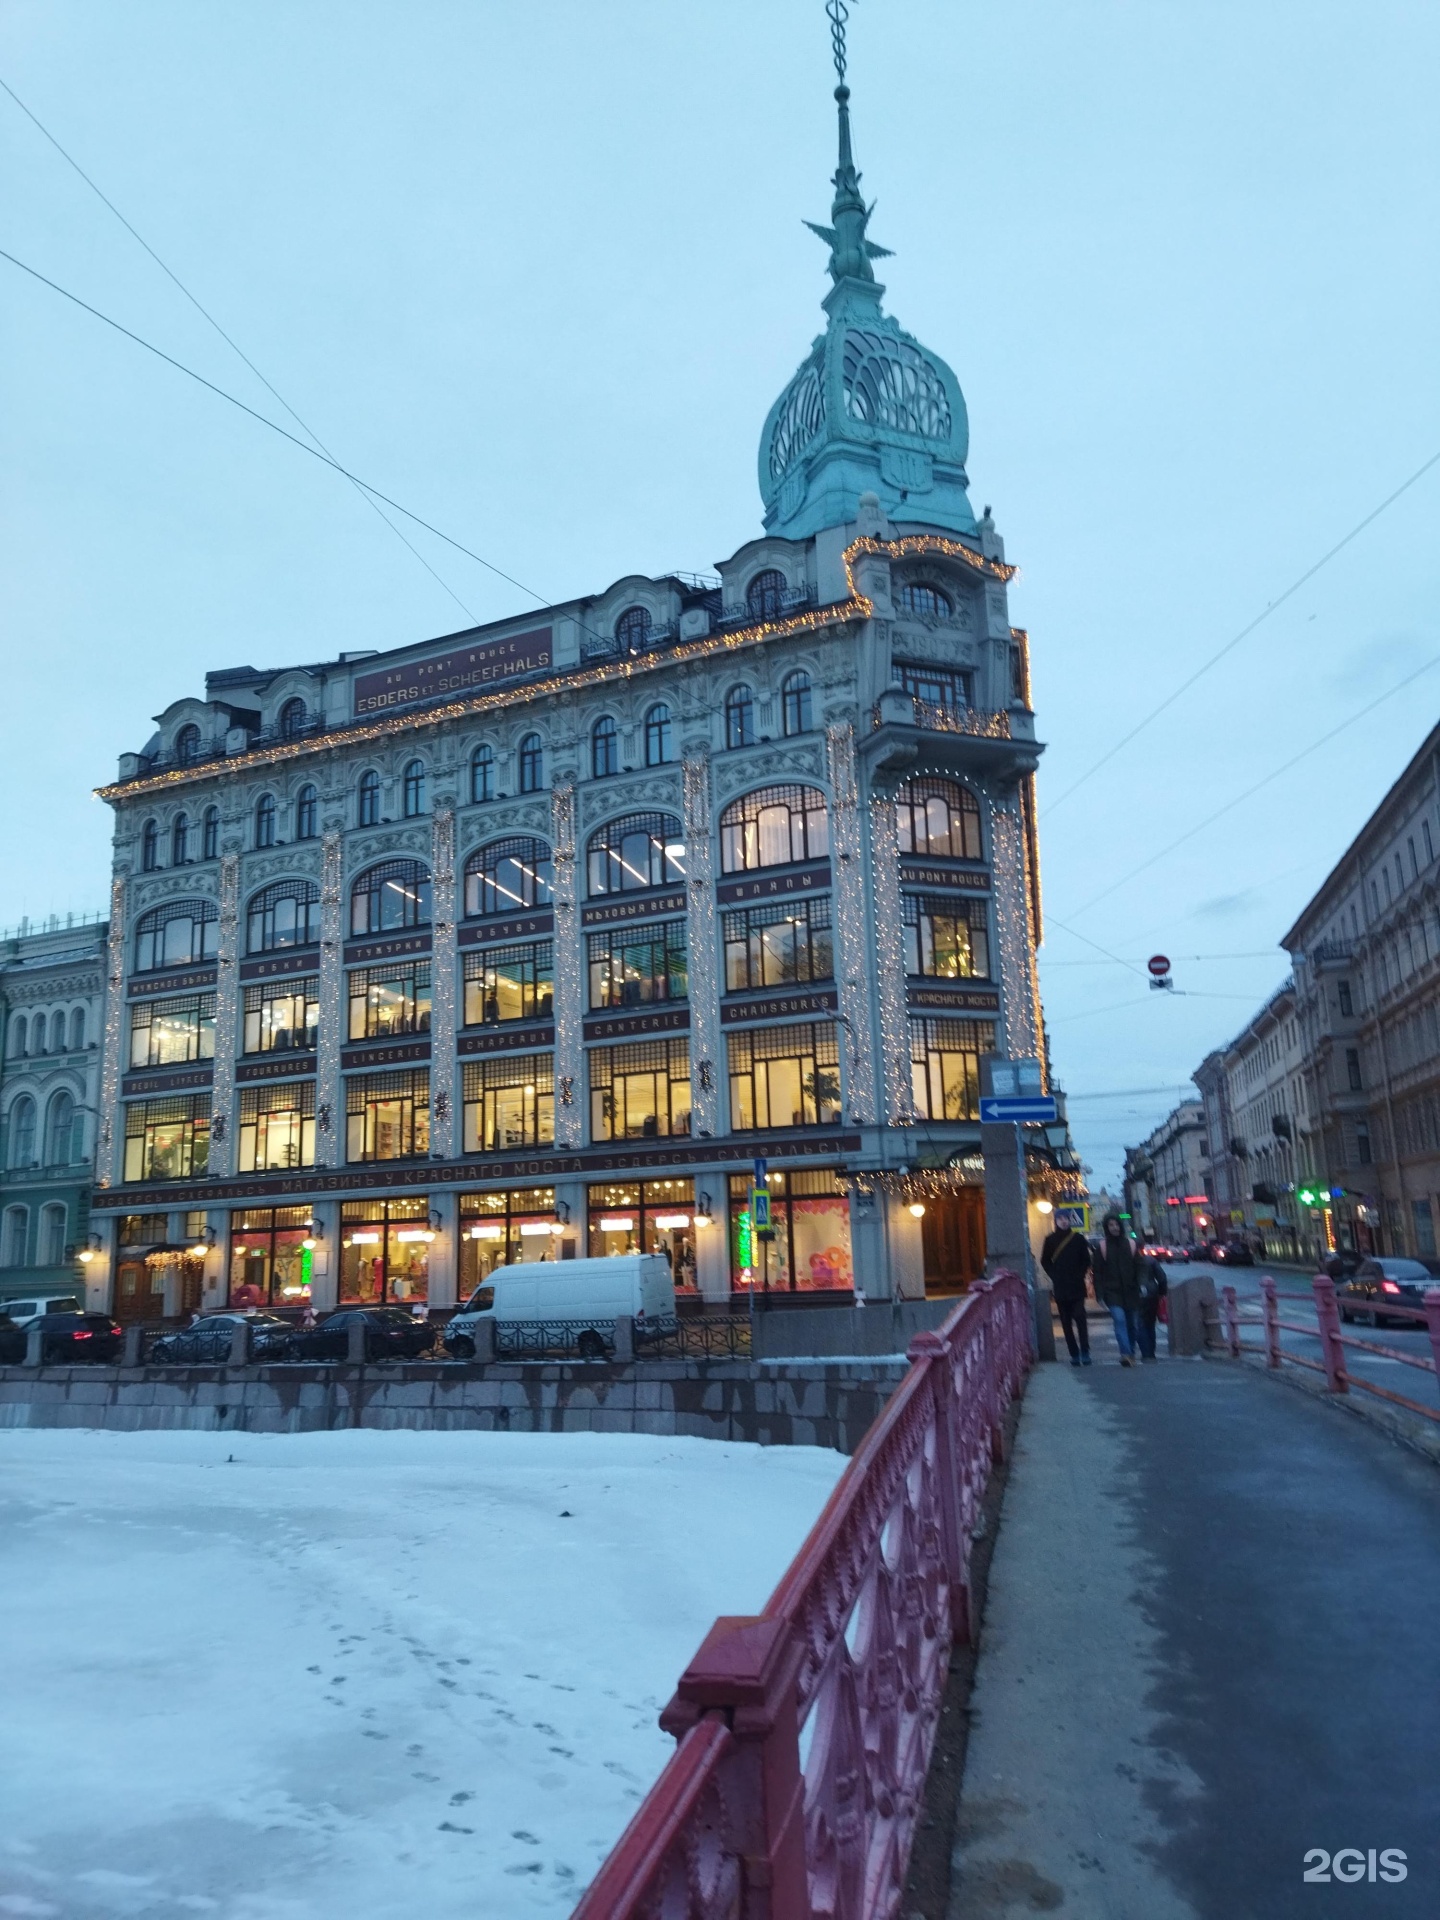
(459, 672)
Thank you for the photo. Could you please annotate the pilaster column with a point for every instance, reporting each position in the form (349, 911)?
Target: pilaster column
(329, 1092)
(852, 946)
(570, 1092)
(443, 969)
(110, 1135)
(1014, 927)
(899, 1100)
(227, 1022)
(708, 1072)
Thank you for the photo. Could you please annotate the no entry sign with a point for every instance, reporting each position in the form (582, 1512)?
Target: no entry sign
(1159, 965)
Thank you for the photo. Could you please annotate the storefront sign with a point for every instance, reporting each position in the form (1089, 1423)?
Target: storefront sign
(778, 1006)
(393, 1053)
(519, 926)
(913, 874)
(279, 966)
(393, 946)
(291, 1065)
(462, 671)
(623, 1026)
(507, 1039)
(633, 906)
(774, 886)
(168, 1080)
(954, 999)
(173, 982)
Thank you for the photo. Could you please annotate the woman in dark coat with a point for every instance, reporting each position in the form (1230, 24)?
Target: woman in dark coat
(1117, 1284)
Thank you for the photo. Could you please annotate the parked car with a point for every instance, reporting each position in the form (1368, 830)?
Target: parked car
(12, 1341)
(579, 1300)
(390, 1334)
(1228, 1253)
(1376, 1280)
(208, 1341)
(68, 1337)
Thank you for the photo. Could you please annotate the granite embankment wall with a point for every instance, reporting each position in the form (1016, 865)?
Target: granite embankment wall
(825, 1403)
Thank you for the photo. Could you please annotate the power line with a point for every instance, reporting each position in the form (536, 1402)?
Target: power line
(1244, 633)
(1250, 792)
(274, 426)
(234, 346)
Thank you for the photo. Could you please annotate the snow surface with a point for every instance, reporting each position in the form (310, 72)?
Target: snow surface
(349, 1676)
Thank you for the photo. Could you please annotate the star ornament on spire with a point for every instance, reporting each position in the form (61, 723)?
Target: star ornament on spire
(850, 251)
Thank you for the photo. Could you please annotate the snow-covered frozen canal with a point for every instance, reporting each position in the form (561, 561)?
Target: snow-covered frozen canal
(299, 1677)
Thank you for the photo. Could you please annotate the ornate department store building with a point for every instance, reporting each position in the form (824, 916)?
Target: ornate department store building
(529, 940)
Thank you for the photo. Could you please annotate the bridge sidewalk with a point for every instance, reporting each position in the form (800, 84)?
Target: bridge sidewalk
(1210, 1644)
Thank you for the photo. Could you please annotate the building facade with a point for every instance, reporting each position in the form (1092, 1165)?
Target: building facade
(1366, 954)
(1165, 1178)
(538, 936)
(52, 987)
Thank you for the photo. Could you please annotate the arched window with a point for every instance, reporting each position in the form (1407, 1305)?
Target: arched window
(177, 935)
(286, 914)
(37, 1034)
(918, 596)
(150, 847)
(632, 630)
(765, 595)
(180, 840)
(210, 840)
(17, 1234)
(57, 1033)
(292, 719)
(482, 773)
(77, 1030)
(307, 813)
(532, 764)
(939, 818)
(368, 797)
(187, 745)
(509, 876)
(642, 850)
(59, 1125)
(22, 1132)
(394, 895)
(604, 748)
(740, 717)
(659, 736)
(775, 827)
(52, 1234)
(18, 1035)
(265, 820)
(795, 702)
(414, 789)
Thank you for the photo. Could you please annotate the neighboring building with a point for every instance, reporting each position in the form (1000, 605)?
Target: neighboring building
(52, 989)
(1366, 954)
(1258, 1121)
(1165, 1176)
(536, 935)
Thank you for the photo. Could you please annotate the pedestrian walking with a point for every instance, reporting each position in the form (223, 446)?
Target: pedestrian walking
(1117, 1283)
(1065, 1257)
(1154, 1285)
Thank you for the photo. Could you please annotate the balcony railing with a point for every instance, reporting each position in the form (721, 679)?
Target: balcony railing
(897, 708)
(601, 646)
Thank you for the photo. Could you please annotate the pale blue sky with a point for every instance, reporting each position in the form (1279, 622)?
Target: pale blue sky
(539, 272)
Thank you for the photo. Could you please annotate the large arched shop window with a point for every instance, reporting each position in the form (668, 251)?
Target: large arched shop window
(391, 897)
(179, 934)
(641, 850)
(286, 914)
(508, 876)
(774, 827)
(939, 818)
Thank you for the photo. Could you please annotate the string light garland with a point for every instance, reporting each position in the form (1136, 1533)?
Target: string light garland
(851, 919)
(444, 968)
(701, 945)
(569, 968)
(108, 1146)
(890, 959)
(329, 1087)
(227, 1021)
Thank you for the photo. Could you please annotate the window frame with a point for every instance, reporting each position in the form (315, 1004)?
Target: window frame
(410, 879)
(797, 709)
(530, 761)
(367, 799)
(664, 833)
(604, 747)
(535, 862)
(659, 735)
(739, 717)
(663, 1063)
(484, 1081)
(740, 828)
(414, 977)
(482, 774)
(263, 906)
(742, 934)
(532, 960)
(960, 800)
(307, 812)
(815, 1042)
(202, 914)
(605, 952)
(413, 783)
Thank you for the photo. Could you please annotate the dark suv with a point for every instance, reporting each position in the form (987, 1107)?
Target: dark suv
(390, 1334)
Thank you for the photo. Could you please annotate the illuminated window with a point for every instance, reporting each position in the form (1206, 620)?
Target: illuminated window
(784, 1077)
(277, 1127)
(509, 1102)
(774, 827)
(286, 914)
(945, 1066)
(784, 945)
(391, 897)
(510, 983)
(507, 877)
(640, 1092)
(166, 1033)
(177, 935)
(639, 851)
(387, 1116)
(939, 818)
(167, 1139)
(389, 1000)
(637, 968)
(281, 1016)
(946, 939)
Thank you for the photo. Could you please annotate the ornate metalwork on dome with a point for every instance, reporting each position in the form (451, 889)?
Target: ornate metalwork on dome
(890, 383)
(801, 416)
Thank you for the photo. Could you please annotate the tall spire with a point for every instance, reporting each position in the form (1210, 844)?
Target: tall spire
(850, 252)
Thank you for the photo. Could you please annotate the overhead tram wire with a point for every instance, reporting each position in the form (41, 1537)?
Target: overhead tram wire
(234, 345)
(274, 426)
(1244, 634)
(1304, 753)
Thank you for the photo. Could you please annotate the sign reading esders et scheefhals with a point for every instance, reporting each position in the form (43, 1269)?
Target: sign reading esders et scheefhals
(462, 671)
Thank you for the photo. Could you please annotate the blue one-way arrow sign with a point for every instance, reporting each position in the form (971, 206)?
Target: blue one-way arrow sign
(995, 1108)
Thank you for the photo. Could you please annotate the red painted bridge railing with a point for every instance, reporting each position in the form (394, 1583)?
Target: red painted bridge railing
(805, 1730)
(1338, 1377)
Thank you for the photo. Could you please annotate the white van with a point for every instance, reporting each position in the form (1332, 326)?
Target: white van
(539, 1302)
(22, 1312)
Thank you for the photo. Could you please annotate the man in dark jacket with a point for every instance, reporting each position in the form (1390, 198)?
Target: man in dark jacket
(1117, 1283)
(1065, 1257)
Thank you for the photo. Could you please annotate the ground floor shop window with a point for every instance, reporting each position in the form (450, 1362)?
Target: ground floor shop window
(385, 1252)
(272, 1251)
(646, 1216)
(640, 1092)
(277, 1126)
(810, 1213)
(497, 1229)
(784, 1077)
(387, 1115)
(509, 1102)
(945, 1066)
(167, 1139)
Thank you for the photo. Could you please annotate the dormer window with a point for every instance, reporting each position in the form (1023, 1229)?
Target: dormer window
(187, 745)
(632, 630)
(292, 719)
(918, 596)
(765, 595)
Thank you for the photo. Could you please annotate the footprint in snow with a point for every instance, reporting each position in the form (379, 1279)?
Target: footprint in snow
(459, 1799)
(530, 1839)
(448, 1826)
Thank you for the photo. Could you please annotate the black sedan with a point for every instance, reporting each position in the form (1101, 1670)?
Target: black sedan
(1402, 1282)
(208, 1342)
(68, 1337)
(390, 1334)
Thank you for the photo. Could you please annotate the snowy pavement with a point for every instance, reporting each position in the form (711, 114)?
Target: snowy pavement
(370, 1674)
